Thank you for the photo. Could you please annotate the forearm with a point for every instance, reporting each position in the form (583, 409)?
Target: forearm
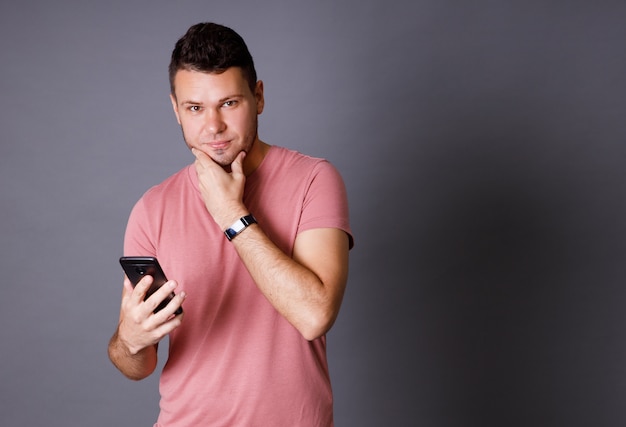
(134, 366)
(297, 293)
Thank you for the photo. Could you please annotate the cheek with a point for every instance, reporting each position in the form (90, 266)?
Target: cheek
(190, 127)
(248, 122)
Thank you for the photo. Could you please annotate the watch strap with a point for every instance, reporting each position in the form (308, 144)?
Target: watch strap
(240, 225)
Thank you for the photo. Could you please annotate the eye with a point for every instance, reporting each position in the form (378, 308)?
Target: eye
(194, 108)
(230, 103)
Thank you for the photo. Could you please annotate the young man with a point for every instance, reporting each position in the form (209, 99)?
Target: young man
(255, 240)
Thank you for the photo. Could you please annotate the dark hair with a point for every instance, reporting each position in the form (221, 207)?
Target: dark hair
(211, 48)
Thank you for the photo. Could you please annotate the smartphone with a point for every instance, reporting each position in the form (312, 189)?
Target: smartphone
(136, 267)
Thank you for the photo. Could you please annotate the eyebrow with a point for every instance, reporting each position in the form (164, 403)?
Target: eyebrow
(219, 101)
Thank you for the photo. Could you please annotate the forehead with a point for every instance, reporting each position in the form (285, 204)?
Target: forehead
(198, 84)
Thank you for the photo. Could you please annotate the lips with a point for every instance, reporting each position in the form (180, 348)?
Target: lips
(218, 145)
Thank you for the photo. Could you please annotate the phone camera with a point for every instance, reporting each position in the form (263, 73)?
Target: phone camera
(140, 270)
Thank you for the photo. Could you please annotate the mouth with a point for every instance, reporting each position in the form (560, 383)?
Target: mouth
(217, 145)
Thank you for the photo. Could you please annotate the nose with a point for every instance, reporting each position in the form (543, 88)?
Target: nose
(214, 123)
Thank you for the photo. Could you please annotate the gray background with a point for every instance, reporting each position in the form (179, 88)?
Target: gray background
(482, 144)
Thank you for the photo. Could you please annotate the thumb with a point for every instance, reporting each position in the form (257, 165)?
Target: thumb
(237, 164)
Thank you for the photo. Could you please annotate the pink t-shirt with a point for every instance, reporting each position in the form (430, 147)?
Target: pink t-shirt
(235, 360)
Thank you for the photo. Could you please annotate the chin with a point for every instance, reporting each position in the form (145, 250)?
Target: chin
(223, 160)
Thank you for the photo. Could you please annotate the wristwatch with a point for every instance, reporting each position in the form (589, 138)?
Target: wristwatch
(241, 224)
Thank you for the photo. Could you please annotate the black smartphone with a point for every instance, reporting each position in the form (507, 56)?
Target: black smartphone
(136, 267)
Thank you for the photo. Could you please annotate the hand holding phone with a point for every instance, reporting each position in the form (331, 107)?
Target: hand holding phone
(137, 268)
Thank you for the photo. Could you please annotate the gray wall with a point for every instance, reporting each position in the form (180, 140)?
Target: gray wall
(482, 144)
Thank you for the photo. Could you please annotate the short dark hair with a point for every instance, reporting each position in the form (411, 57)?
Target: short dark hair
(211, 48)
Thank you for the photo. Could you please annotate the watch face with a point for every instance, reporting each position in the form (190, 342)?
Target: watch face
(239, 226)
(230, 233)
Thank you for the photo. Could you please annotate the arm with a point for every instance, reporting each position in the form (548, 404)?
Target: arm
(133, 346)
(307, 288)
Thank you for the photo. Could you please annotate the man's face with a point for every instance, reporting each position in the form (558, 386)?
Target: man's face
(217, 112)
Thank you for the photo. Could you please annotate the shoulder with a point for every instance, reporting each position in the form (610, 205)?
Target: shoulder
(169, 187)
(293, 162)
(169, 193)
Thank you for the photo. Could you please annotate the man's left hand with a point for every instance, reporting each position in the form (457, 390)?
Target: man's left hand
(222, 191)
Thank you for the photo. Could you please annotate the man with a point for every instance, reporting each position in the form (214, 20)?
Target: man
(255, 240)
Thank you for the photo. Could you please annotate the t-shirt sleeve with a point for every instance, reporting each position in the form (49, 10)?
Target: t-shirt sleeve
(137, 241)
(326, 201)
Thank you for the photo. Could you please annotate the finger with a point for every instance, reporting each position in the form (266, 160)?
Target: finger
(205, 165)
(165, 321)
(168, 325)
(237, 164)
(201, 157)
(128, 286)
(198, 155)
(140, 290)
(160, 295)
(198, 162)
(169, 311)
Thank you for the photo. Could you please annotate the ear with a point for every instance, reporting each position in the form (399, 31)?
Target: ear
(260, 99)
(175, 107)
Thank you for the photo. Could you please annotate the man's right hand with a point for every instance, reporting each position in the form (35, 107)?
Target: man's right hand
(133, 346)
(139, 326)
